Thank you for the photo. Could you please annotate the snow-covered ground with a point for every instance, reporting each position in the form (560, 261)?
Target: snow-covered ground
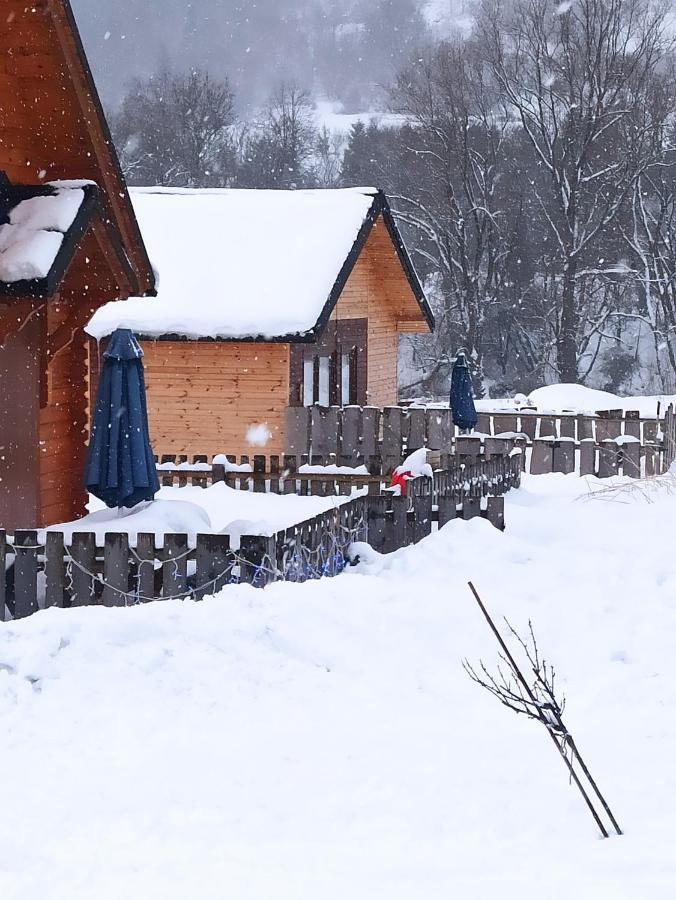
(322, 742)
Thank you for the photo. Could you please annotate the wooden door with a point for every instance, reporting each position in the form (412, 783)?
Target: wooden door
(20, 359)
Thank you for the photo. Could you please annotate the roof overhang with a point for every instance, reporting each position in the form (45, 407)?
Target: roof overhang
(379, 206)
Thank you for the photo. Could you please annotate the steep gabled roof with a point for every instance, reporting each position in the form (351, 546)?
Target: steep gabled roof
(52, 126)
(251, 264)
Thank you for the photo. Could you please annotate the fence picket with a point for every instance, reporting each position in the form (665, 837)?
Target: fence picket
(213, 564)
(55, 571)
(115, 569)
(175, 566)
(25, 573)
(82, 569)
(145, 567)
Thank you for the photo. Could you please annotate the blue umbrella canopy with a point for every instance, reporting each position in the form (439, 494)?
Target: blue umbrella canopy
(120, 468)
(462, 402)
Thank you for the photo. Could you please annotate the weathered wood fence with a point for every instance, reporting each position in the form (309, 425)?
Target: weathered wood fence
(43, 570)
(380, 439)
(608, 443)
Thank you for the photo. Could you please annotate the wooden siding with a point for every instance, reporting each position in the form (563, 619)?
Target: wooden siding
(51, 124)
(203, 397)
(63, 420)
(378, 288)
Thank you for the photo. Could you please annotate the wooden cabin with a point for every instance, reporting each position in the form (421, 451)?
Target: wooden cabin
(266, 300)
(69, 242)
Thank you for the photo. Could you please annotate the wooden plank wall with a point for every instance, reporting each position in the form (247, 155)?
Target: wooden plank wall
(207, 395)
(378, 288)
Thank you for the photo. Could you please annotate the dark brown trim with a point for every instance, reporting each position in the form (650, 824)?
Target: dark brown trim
(117, 194)
(341, 336)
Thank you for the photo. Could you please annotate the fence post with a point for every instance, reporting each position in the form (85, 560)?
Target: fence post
(145, 567)
(54, 569)
(631, 459)
(608, 458)
(213, 564)
(587, 456)
(495, 512)
(258, 562)
(375, 521)
(416, 428)
(392, 438)
(115, 569)
(447, 508)
(422, 509)
(83, 569)
(175, 566)
(297, 428)
(541, 458)
(25, 573)
(563, 455)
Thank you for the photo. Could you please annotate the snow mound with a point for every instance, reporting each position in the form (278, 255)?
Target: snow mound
(158, 517)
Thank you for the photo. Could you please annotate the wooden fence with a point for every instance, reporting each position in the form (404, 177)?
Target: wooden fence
(42, 570)
(608, 443)
(380, 439)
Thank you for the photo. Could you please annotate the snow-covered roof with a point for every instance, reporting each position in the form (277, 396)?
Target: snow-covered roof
(240, 263)
(35, 223)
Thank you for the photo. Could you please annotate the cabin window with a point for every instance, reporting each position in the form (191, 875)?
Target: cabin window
(308, 381)
(323, 388)
(333, 370)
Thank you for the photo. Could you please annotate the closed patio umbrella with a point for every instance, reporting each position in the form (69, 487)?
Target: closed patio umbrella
(462, 402)
(120, 468)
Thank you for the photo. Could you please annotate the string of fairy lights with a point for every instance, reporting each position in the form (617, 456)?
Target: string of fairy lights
(293, 561)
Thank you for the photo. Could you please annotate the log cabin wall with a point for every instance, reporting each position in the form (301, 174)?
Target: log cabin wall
(65, 388)
(63, 430)
(203, 396)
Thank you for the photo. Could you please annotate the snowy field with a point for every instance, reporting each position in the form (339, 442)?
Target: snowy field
(322, 742)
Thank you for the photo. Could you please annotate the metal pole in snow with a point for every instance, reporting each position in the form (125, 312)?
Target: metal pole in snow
(536, 705)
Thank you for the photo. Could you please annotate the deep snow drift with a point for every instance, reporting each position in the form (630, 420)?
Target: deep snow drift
(322, 742)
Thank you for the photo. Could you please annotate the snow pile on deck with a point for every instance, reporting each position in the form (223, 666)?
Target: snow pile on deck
(32, 238)
(322, 740)
(196, 510)
(238, 263)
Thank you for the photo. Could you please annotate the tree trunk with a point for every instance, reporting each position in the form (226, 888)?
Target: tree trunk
(566, 345)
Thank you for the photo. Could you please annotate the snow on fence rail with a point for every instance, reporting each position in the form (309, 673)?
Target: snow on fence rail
(49, 572)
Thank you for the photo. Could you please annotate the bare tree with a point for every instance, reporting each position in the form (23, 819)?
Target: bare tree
(455, 145)
(174, 130)
(651, 236)
(575, 74)
(279, 146)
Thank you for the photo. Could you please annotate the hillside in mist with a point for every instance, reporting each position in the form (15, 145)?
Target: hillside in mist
(343, 49)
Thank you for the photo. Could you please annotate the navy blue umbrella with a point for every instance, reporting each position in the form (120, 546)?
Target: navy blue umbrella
(120, 467)
(462, 403)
